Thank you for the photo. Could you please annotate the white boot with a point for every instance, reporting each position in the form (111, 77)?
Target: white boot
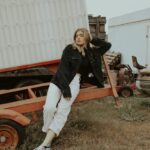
(43, 148)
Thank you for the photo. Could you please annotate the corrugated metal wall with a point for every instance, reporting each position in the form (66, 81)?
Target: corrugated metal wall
(37, 30)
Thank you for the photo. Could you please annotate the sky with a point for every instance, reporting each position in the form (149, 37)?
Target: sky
(113, 8)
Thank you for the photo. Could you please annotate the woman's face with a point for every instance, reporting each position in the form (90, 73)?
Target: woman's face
(80, 39)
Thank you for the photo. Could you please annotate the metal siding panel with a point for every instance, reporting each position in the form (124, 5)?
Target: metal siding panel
(129, 42)
(133, 17)
(35, 31)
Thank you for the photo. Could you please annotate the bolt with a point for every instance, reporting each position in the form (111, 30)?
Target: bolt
(2, 139)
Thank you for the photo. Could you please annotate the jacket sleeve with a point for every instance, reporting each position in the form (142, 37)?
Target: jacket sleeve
(61, 75)
(101, 45)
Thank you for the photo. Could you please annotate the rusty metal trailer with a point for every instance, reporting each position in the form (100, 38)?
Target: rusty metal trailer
(13, 118)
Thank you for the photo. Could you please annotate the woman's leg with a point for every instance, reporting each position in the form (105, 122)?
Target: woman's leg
(54, 126)
(53, 96)
(64, 107)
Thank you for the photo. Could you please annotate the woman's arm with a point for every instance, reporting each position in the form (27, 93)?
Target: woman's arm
(101, 45)
(60, 77)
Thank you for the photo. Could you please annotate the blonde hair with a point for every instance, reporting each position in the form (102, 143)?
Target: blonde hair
(86, 37)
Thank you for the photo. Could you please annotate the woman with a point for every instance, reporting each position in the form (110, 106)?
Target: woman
(78, 60)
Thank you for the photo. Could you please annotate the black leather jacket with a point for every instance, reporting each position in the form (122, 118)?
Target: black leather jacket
(70, 63)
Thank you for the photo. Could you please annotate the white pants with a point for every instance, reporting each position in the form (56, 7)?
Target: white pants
(57, 108)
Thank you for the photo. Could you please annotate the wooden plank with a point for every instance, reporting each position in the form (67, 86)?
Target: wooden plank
(24, 88)
(115, 94)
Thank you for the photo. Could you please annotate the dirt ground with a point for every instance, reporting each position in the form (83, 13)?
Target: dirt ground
(98, 125)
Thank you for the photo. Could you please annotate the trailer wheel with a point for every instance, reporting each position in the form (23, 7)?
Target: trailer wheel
(126, 92)
(28, 83)
(11, 134)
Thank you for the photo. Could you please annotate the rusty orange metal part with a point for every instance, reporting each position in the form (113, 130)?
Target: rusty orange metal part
(15, 103)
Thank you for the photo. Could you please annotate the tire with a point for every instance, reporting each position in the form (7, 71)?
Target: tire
(145, 84)
(21, 96)
(126, 92)
(28, 82)
(12, 134)
(146, 91)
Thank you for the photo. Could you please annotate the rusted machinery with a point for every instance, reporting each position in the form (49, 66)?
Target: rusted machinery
(143, 79)
(121, 73)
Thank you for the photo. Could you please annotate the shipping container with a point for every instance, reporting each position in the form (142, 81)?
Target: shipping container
(130, 35)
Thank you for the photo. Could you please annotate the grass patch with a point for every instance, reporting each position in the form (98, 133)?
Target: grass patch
(98, 125)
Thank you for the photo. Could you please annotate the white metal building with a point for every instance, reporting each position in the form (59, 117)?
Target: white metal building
(37, 30)
(130, 35)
